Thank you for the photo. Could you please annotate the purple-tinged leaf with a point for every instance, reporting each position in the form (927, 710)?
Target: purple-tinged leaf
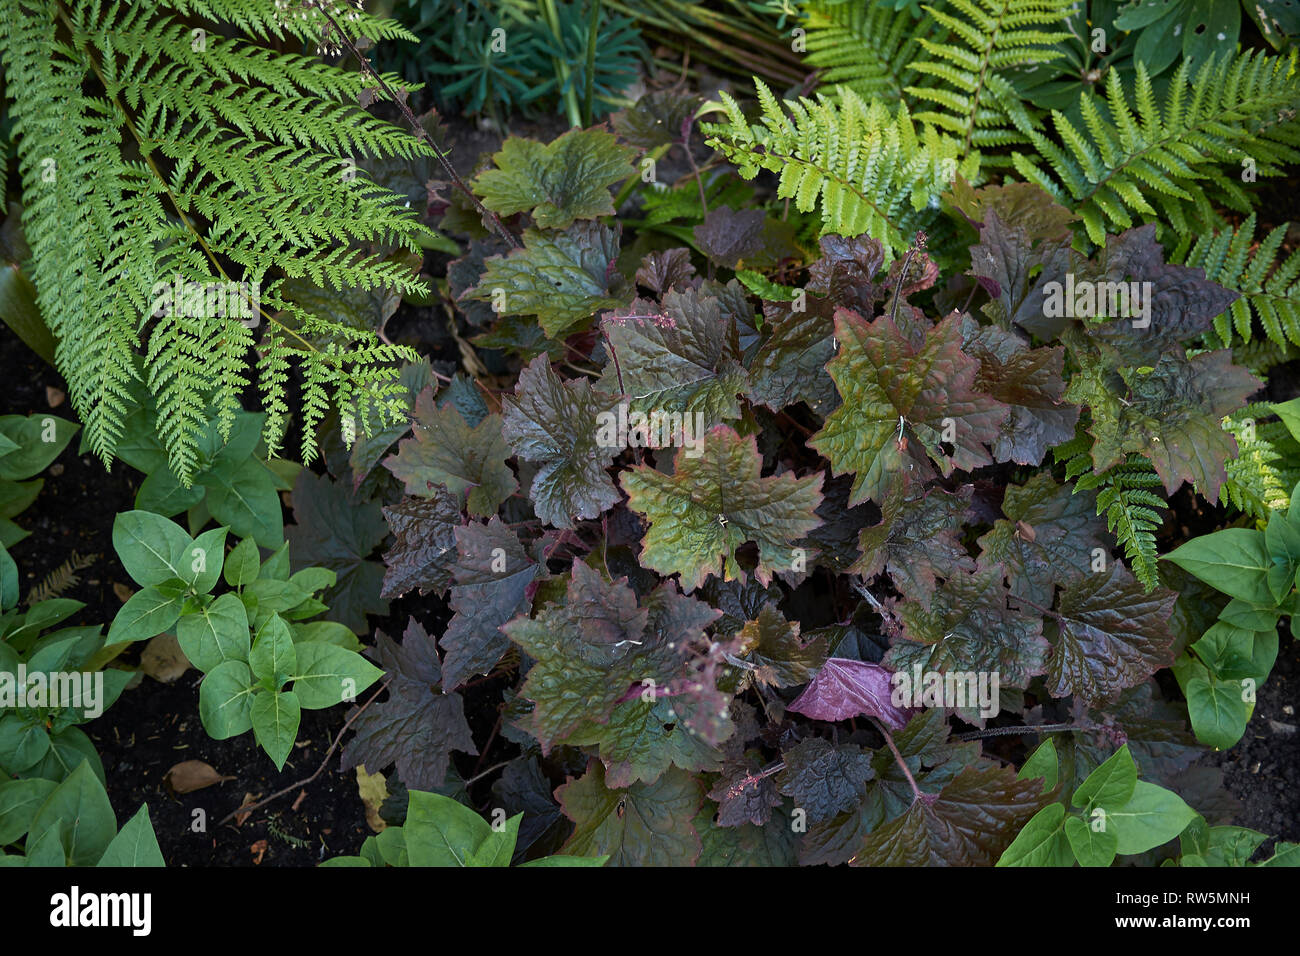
(557, 425)
(425, 548)
(447, 451)
(666, 270)
(714, 503)
(1113, 635)
(917, 540)
(845, 688)
(647, 824)
(970, 822)
(417, 726)
(492, 574)
(824, 779)
(898, 395)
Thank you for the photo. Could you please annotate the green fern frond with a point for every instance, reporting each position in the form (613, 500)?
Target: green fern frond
(1124, 494)
(1260, 355)
(154, 152)
(867, 169)
(984, 39)
(1256, 483)
(1136, 158)
(1269, 287)
(866, 47)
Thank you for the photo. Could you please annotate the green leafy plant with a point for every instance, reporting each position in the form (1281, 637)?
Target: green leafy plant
(496, 57)
(233, 482)
(441, 832)
(1118, 814)
(28, 444)
(867, 170)
(1162, 159)
(983, 41)
(71, 823)
(1205, 845)
(1221, 672)
(50, 684)
(261, 682)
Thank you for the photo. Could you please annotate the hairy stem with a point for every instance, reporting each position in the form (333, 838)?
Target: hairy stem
(489, 217)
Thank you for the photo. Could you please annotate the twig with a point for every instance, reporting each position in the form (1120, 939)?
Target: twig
(492, 769)
(618, 370)
(918, 242)
(496, 729)
(319, 770)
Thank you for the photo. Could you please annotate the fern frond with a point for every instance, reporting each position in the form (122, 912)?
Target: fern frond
(1269, 287)
(868, 48)
(1256, 483)
(154, 152)
(868, 170)
(1135, 158)
(984, 39)
(1261, 355)
(1124, 494)
(62, 579)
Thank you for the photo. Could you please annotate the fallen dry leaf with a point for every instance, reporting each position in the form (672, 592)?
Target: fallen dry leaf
(122, 591)
(258, 850)
(163, 660)
(190, 775)
(249, 800)
(374, 791)
(54, 397)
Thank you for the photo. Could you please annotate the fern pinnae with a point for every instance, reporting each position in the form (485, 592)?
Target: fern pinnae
(238, 146)
(1125, 496)
(1269, 286)
(868, 48)
(1256, 482)
(965, 68)
(62, 579)
(1165, 160)
(867, 169)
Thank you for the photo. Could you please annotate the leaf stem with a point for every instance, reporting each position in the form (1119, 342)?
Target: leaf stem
(889, 739)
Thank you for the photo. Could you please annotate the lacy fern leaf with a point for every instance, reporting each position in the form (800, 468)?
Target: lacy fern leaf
(1135, 157)
(869, 170)
(154, 155)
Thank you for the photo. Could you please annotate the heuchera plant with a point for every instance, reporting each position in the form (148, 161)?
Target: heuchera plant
(745, 545)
